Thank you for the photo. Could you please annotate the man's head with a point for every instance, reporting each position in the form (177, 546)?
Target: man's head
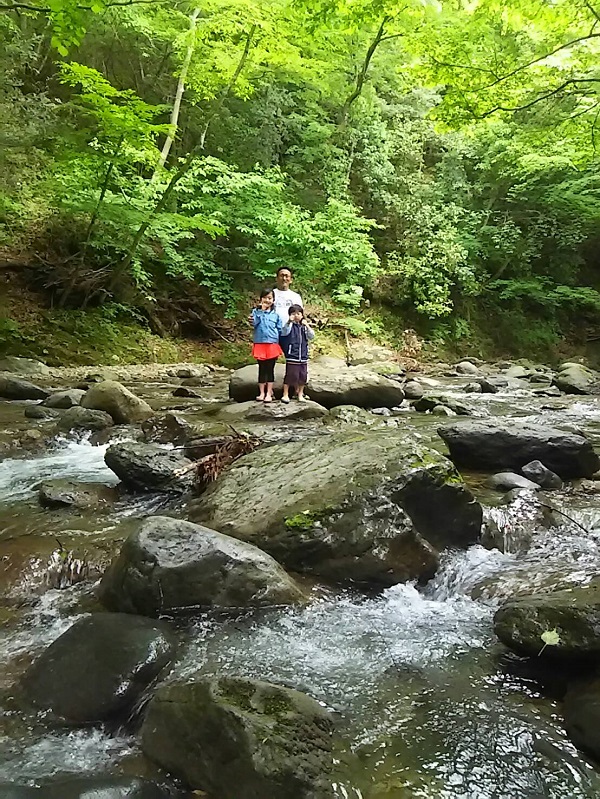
(284, 278)
(296, 313)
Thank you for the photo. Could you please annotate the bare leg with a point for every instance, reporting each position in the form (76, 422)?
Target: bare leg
(300, 393)
(261, 392)
(269, 394)
(286, 393)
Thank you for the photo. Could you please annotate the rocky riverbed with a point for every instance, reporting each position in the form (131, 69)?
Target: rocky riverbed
(392, 594)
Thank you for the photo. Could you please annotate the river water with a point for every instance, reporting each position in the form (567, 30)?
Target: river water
(427, 702)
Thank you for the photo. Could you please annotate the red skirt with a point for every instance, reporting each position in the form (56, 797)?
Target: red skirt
(264, 352)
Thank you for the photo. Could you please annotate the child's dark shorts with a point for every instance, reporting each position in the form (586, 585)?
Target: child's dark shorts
(296, 374)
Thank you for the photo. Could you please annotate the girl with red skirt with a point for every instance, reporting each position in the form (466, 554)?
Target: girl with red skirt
(266, 349)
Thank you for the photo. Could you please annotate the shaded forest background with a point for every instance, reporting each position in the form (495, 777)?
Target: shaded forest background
(420, 164)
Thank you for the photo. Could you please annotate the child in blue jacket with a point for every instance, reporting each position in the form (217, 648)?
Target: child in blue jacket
(266, 349)
(294, 340)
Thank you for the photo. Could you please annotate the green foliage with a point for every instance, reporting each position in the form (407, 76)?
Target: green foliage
(374, 148)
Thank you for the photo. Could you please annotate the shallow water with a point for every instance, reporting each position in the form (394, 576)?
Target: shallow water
(425, 702)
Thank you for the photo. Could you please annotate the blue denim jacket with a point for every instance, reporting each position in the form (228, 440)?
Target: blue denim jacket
(267, 326)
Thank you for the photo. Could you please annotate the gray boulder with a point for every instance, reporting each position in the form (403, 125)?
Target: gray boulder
(369, 507)
(243, 384)
(536, 471)
(14, 388)
(253, 411)
(64, 399)
(118, 401)
(97, 669)
(168, 564)
(431, 401)
(574, 378)
(507, 481)
(354, 385)
(413, 389)
(70, 494)
(574, 614)
(467, 368)
(150, 467)
(78, 418)
(23, 366)
(241, 739)
(489, 445)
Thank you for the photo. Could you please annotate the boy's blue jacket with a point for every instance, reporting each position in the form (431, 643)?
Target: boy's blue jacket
(267, 326)
(294, 342)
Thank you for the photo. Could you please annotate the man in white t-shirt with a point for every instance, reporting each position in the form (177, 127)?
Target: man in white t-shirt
(283, 296)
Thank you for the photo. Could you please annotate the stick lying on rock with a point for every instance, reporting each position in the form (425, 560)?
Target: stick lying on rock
(225, 451)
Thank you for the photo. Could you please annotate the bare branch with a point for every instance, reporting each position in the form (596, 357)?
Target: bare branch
(362, 75)
(540, 98)
(46, 10)
(590, 7)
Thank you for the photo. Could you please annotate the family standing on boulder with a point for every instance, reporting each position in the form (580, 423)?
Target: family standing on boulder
(279, 322)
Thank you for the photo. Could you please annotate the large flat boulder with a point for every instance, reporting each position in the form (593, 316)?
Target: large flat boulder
(150, 467)
(121, 403)
(574, 614)
(365, 506)
(168, 564)
(61, 493)
(253, 411)
(241, 739)
(353, 385)
(328, 385)
(491, 446)
(14, 388)
(97, 669)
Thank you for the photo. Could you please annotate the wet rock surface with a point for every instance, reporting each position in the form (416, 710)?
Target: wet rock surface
(78, 418)
(150, 467)
(72, 494)
(573, 614)
(536, 471)
(98, 668)
(581, 708)
(92, 788)
(357, 505)
(490, 446)
(174, 565)
(276, 742)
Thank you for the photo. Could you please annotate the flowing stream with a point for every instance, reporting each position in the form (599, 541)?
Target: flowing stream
(427, 702)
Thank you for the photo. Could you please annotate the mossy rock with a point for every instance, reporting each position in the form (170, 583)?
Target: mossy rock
(241, 739)
(368, 506)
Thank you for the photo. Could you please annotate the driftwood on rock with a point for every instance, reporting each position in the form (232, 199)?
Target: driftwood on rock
(212, 455)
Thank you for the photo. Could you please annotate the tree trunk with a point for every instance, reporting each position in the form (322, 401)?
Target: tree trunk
(179, 93)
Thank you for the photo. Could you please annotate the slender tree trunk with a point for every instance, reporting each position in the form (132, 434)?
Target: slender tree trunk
(179, 93)
(122, 268)
(362, 75)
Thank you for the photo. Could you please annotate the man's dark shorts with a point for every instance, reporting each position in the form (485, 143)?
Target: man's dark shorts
(296, 374)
